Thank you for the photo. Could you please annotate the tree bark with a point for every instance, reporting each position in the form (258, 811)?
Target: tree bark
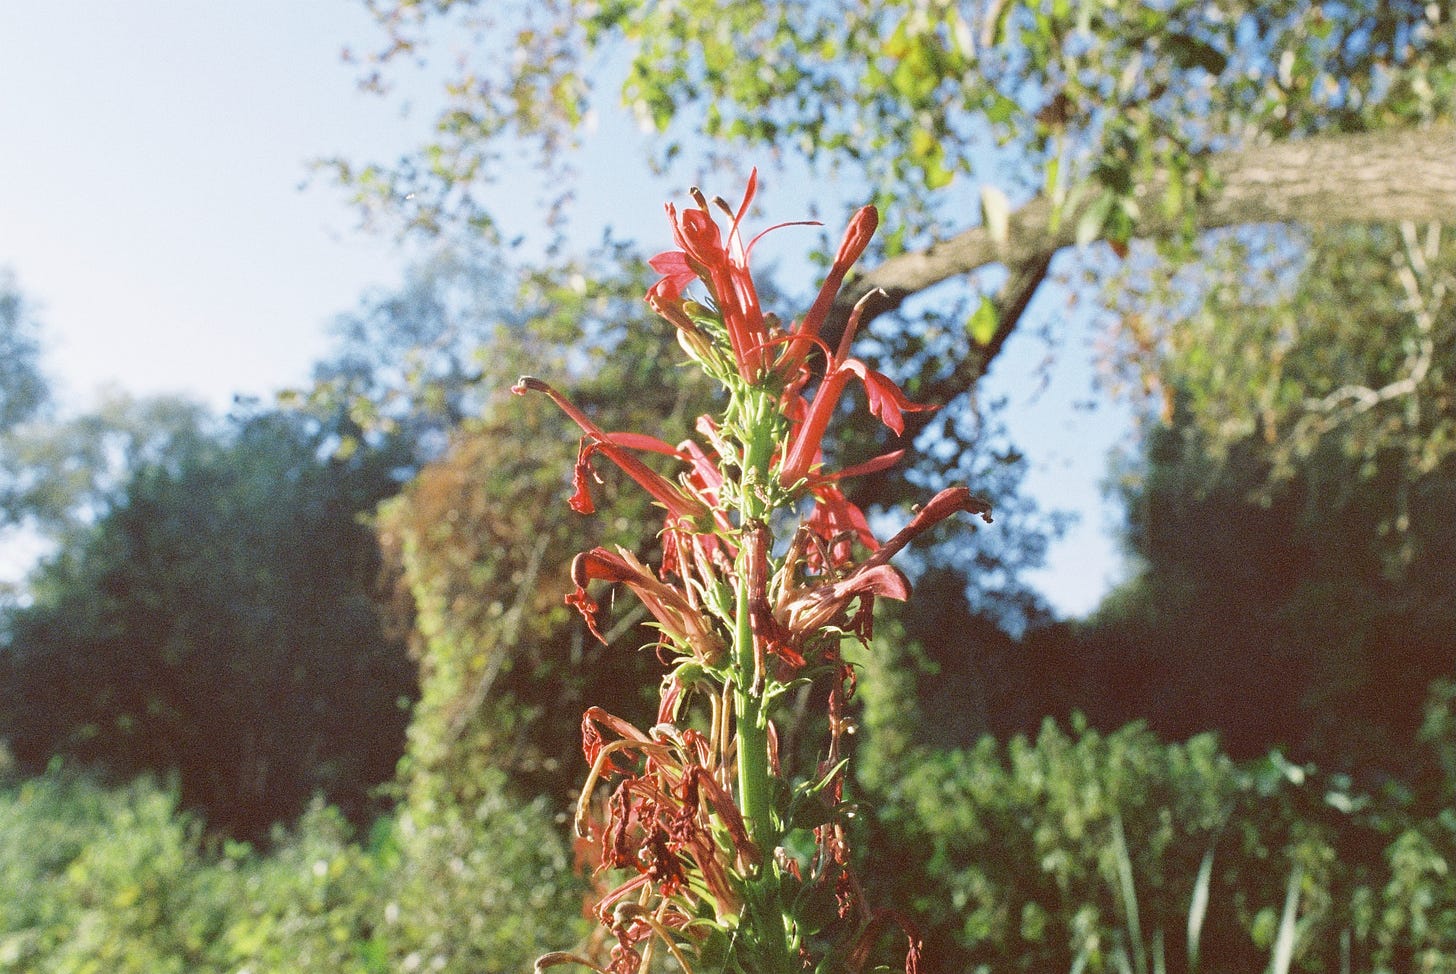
(1376, 177)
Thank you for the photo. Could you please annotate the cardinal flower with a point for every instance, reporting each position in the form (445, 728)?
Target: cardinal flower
(885, 398)
(719, 846)
(856, 238)
(722, 264)
(846, 600)
(617, 448)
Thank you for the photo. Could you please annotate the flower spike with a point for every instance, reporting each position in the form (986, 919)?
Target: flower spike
(692, 810)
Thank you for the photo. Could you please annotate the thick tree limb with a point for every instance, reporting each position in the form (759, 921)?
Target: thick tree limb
(1382, 177)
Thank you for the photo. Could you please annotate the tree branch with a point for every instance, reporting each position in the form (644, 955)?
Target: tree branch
(1011, 303)
(1378, 177)
(1381, 177)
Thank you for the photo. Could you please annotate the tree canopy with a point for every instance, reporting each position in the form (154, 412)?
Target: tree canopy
(22, 386)
(218, 620)
(1058, 123)
(1085, 100)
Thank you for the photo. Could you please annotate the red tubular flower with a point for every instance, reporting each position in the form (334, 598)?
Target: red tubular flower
(615, 446)
(724, 267)
(856, 238)
(676, 270)
(837, 521)
(722, 264)
(941, 506)
(828, 604)
(885, 398)
(665, 298)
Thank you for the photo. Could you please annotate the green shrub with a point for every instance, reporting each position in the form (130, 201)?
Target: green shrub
(1076, 851)
(118, 880)
(480, 888)
(104, 880)
(310, 904)
(1088, 852)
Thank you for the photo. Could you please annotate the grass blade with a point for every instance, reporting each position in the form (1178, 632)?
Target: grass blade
(1284, 943)
(1198, 907)
(1129, 895)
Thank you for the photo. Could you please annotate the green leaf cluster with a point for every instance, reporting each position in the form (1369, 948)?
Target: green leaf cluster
(1118, 852)
(912, 96)
(118, 879)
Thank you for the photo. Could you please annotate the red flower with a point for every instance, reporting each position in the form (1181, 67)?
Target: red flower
(846, 602)
(721, 263)
(885, 399)
(941, 506)
(837, 522)
(723, 266)
(856, 238)
(616, 446)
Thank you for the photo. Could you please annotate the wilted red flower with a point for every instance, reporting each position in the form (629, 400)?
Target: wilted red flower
(686, 627)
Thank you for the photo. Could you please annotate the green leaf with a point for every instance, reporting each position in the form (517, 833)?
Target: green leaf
(815, 908)
(1001, 110)
(984, 322)
(713, 954)
(937, 176)
(810, 814)
(1094, 219)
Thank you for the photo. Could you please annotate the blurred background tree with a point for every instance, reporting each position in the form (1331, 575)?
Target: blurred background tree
(1290, 516)
(23, 389)
(218, 619)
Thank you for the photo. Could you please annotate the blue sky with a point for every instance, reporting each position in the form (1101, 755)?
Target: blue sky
(156, 206)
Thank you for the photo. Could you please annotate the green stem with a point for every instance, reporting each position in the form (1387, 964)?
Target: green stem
(755, 789)
(755, 784)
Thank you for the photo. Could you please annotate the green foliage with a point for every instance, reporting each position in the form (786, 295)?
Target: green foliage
(475, 887)
(312, 904)
(482, 539)
(1287, 622)
(910, 95)
(24, 393)
(101, 880)
(1035, 853)
(1290, 514)
(62, 473)
(406, 367)
(1324, 348)
(1088, 852)
(23, 389)
(1076, 849)
(218, 619)
(119, 880)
